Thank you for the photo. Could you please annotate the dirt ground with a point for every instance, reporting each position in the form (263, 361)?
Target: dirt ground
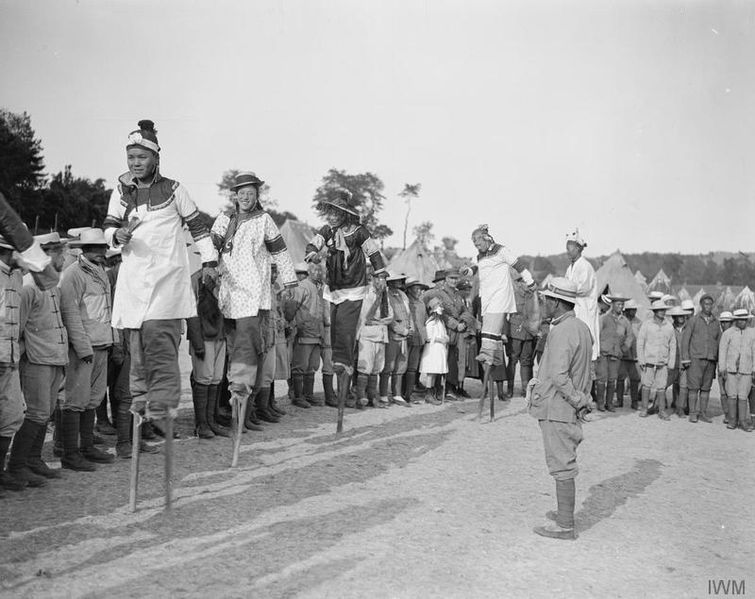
(420, 502)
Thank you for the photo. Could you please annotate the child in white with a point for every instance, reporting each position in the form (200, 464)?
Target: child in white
(435, 354)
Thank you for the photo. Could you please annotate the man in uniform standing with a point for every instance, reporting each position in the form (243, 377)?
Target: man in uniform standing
(700, 356)
(559, 397)
(615, 338)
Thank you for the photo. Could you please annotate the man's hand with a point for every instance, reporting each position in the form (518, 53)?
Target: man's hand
(209, 273)
(123, 236)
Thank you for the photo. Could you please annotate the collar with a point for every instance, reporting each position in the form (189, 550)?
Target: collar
(562, 318)
(130, 181)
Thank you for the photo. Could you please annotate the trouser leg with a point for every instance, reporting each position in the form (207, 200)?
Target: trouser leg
(565, 496)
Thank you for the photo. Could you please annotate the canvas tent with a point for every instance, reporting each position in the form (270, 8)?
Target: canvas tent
(297, 235)
(642, 280)
(745, 299)
(415, 261)
(661, 282)
(724, 301)
(683, 294)
(615, 277)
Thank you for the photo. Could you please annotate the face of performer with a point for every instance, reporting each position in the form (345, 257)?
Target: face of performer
(95, 253)
(247, 198)
(57, 257)
(573, 250)
(141, 162)
(481, 242)
(617, 307)
(707, 306)
(335, 217)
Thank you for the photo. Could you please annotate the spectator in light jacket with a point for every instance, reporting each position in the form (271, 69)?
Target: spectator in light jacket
(372, 335)
(735, 363)
(656, 353)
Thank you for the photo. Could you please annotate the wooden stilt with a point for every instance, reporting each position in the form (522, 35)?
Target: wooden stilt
(136, 442)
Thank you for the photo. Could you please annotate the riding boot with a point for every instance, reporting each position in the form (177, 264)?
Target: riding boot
(273, 403)
(213, 396)
(251, 422)
(86, 431)
(262, 403)
(408, 384)
(620, 392)
(309, 391)
(123, 424)
(704, 397)
(384, 377)
(634, 393)
(20, 451)
(372, 390)
(600, 400)
(35, 462)
(731, 413)
(330, 393)
(72, 458)
(200, 397)
(745, 420)
(610, 390)
(362, 381)
(298, 386)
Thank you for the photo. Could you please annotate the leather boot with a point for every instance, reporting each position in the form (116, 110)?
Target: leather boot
(123, 424)
(410, 379)
(620, 392)
(501, 394)
(309, 390)
(362, 380)
(745, 421)
(262, 409)
(610, 390)
(634, 394)
(200, 397)
(251, 422)
(526, 376)
(731, 413)
(274, 404)
(563, 528)
(19, 453)
(704, 397)
(600, 396)
(213, 396)
(330, 393)
(86, 431)
(384, 378)
(298, 383)
(72, 458)
(35, 462)
(372, 390)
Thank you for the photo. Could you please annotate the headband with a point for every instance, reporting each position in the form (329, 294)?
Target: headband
(137, 139)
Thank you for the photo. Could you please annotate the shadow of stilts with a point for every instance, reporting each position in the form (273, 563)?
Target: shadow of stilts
(607, 495)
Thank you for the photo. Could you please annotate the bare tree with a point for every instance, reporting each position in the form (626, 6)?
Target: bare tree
(409, 193)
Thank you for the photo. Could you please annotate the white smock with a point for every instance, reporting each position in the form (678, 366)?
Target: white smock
(586, 309)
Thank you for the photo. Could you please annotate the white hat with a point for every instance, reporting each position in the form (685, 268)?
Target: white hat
(630, 305)
(396, 276)
(89, 237)
(413, 281)
(741, 314)
(659, 305)
(655, 295)
(676, 311)
(688, 305)
(725, 316)
(49, 239)
(561, 288)
(576, 238)
(301, 267)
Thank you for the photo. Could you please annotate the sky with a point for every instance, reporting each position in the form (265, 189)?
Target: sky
(631, 120)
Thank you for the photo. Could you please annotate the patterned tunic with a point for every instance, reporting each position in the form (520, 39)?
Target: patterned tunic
(245, 261)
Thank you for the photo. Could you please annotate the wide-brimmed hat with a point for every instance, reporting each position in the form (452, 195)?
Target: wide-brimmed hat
(630, 305)
(741, 314)
(655, 295)
(659, 305)
(669, 299)
(49, 240)
(725, 316)
(301, 267)
(676, 311)
(439, 275)
(396, 276)
(605, 299)
(245, 180)
(688, 305)
(561, 288)
(89, 237)
(616, 297)
(452, 272)
(414, 282)
(343, 200)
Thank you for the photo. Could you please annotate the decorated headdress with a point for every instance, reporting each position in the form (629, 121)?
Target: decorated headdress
(145, 136)
(576, 238)
(483, 230)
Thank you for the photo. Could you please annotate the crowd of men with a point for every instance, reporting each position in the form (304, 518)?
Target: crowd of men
(108, 333)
